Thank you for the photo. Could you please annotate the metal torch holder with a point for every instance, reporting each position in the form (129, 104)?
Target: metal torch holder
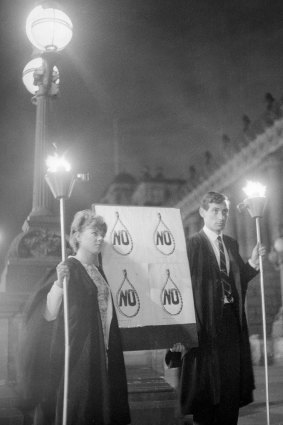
(61, 184)
(255, 207)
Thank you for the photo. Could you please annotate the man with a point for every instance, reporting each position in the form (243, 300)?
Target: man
(217, 377)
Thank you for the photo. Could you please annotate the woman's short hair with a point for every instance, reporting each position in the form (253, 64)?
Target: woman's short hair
(213, 198)
(83, 219)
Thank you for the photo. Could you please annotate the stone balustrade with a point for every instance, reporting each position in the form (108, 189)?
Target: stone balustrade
(240, 164)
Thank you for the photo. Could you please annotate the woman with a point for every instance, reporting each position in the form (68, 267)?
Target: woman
(97, 381)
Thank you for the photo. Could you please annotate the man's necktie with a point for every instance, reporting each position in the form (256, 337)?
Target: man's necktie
(228, 297)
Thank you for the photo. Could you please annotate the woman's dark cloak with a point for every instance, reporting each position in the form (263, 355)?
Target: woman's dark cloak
(97, 391)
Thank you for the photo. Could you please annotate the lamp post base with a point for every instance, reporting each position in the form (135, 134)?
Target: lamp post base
(43, 221)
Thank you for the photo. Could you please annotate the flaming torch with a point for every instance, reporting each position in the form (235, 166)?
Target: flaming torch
(255, 204)
(61, 182)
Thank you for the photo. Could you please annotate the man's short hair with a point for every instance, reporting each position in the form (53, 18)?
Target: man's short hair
(213, 198)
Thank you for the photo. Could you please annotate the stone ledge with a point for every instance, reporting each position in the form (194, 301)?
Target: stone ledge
(10, 416)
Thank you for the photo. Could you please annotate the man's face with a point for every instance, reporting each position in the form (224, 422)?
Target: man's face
(216, 216)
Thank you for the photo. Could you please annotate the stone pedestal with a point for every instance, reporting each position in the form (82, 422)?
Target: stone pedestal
(272, 300)
(10, 318)
(277, 336)
(278, 350)
(26, 265)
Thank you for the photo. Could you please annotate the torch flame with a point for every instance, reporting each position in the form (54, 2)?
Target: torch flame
(56, 163)
(254, 190)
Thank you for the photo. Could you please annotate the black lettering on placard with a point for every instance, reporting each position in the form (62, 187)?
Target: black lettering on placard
(127, 297)
(174, 296)
(131, 297)
(166, 297)
(123, 298)
(171, 296)
(125, 237)
(163, 237)
(167, 237)
(121, 238)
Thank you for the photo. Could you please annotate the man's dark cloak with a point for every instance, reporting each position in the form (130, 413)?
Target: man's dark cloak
(200, 376)
(97, 387)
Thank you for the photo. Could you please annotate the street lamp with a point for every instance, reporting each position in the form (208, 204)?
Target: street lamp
(33, 72)
(255, 204)
(49, 30)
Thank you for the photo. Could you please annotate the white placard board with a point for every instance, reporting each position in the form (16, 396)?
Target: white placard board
(146, 265)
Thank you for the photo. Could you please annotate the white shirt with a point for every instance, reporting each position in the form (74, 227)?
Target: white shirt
(53, 302)
(212, 236)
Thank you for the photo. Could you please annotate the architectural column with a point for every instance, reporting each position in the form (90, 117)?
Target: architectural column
(244, 230)
(231, 225)
(194, 223)
(272, 169)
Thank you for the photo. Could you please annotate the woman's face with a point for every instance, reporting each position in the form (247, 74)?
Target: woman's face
(91, 240)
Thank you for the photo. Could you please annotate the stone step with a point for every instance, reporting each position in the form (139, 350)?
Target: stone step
(152, 400)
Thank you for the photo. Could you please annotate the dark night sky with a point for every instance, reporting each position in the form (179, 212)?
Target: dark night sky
(176, 74)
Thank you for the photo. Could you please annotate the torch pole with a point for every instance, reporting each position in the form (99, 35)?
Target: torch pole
(66, 314)
(61, 183)
(263, 322)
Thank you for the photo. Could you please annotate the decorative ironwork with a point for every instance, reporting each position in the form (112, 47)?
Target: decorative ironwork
(39, 243)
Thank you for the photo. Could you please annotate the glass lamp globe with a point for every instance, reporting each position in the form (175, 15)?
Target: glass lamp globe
(49, 29)
(37, 65)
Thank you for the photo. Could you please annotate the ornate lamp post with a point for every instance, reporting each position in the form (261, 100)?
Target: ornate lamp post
(49, 30)
(255, 204)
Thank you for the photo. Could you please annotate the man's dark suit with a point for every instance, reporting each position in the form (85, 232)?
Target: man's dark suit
(203, 368)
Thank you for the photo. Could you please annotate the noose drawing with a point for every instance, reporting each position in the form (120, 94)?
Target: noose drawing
(163, 238)
(171, 294)
(129, 295)
(121, 239)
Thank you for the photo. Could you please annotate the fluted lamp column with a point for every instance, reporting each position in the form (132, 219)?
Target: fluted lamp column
(49, 30)
(36, 79)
